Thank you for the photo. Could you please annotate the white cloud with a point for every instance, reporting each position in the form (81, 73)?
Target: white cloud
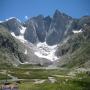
(26, 17)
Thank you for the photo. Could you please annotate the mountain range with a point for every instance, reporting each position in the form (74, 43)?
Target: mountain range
(59, 40)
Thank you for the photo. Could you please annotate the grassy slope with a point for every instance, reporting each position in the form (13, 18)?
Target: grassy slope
(35, 73)
(77, 50)
(80, 56)
(10, 49)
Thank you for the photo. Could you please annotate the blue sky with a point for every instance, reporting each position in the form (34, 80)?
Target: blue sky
(22, 8)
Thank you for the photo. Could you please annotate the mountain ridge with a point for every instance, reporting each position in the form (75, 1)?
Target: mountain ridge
(56, 30)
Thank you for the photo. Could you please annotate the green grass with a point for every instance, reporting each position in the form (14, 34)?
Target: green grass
(10, 49)
(79, 57)
(80, 82)
(29, 66)
(61, 84)
(35, 73)
(3, 77)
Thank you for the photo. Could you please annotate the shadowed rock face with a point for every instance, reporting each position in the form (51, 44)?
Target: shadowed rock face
(13, 25)
(37, 28)
(43, 29)
(30, 33)
(57, 28)
(74, 51)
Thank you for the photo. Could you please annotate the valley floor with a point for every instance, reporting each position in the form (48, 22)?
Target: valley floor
(46, 79)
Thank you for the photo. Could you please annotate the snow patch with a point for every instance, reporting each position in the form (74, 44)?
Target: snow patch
(25, 63)
(80, 31)
(20, 37)
(46, 51)
(12, 33)
(22, 30)
(25, 51)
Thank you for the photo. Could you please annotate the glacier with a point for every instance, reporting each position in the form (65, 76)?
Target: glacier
(46, 51)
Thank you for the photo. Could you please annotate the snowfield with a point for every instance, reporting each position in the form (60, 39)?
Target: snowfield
(22, 30)
(46, 51)
(21, 36)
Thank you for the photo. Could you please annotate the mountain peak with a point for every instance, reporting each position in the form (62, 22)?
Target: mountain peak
(40, 16)
(13, 18)
(57, 12)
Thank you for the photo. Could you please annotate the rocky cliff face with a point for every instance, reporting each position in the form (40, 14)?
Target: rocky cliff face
(13, 25)
(75, 51)
(41, 29)
(57, 28)
(37, 28)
